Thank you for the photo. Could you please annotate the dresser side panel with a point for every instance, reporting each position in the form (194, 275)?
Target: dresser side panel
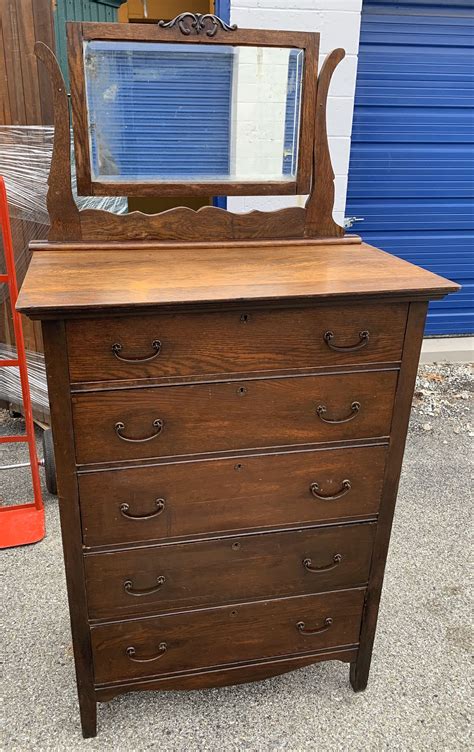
(401, 417)
(57, 370)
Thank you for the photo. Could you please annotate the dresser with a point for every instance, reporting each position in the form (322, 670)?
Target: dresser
(227, 468)
(229, 416)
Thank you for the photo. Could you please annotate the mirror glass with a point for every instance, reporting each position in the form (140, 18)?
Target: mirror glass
(192, 113)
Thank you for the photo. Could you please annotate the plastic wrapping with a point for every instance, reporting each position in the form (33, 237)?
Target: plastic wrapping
(25, 159)
(10, 385)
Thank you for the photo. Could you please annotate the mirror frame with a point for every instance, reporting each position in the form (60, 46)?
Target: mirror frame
(197, 29)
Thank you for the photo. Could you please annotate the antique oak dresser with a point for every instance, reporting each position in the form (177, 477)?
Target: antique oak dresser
(230, 393)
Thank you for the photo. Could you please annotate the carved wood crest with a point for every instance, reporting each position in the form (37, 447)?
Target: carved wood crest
(198, 23)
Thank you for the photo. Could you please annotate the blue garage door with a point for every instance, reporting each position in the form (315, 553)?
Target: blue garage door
(411, 173)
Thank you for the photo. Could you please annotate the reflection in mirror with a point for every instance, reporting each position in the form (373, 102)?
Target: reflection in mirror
(186, 113)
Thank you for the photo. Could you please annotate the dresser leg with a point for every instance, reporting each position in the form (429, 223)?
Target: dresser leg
(359, 675)
(88, 709)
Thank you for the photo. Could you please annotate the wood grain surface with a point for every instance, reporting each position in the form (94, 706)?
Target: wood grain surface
(62, 208)
(214, 572)
(70, 514)
(226, 675)
(217, 417)
(262, 340)
(183, 223)
(65, 282)
(226, 635)
(360, 668)
(320, 203)
(215, 496)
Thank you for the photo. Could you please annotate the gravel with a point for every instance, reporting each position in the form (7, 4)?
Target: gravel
(444, 390)
(418, 693)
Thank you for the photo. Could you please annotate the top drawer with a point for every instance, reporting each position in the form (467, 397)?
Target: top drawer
(240, 341)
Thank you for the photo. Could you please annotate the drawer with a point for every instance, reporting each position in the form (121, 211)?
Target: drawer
(187, 575)
(210, 496)
(199, 418)
(237, 341)
(226, 635)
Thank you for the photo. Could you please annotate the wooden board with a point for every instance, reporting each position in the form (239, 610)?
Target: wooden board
(65, 281)
(224, 416)
(214, 572)
(183, 500)
(196, 343)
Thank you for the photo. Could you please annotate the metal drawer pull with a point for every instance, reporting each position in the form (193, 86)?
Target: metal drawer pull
(128, 587)
(307, 563)
(363, 341)
(322, 409)
(159, 504)
(117, 349)
(301, 627)
(131, 652)
(158, 424)
(345, 488)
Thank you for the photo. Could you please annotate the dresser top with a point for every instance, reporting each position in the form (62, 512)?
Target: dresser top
(64, 279)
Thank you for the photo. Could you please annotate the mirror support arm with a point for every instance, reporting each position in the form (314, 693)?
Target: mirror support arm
(62, 208)
(319, 207)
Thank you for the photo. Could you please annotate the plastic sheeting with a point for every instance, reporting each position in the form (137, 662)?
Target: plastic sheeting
(25, 159)
(10, 385)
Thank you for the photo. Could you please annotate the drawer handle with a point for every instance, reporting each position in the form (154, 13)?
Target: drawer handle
(345, 488)
(159, 504)
(301, 627)
(363, 341)
(117, 349)
(128, 587)
(131, 652)
(307, 563)
(322, 409)
(158, 424)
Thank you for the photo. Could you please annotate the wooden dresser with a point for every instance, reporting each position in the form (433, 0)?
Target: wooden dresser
(227, 468)
(229, 420)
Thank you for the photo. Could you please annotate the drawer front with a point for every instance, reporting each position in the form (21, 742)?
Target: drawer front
(210, 496)
(199, 418)
(187, 575)
(221, 636)
(234, 341)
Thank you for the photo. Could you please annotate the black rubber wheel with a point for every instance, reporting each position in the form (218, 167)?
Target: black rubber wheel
(49, 462)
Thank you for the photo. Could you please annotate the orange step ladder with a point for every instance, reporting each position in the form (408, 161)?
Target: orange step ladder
(21, 523)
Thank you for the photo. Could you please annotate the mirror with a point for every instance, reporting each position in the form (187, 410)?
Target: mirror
(185, 112)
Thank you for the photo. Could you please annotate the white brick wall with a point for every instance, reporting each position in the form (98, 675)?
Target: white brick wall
(338, 22)
(259, 104)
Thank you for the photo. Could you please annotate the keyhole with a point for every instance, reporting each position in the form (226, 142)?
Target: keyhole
(238, 466)
(241, 391)
(236, 546)
(244, 318)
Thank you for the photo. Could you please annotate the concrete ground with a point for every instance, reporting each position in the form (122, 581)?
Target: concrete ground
(447, 349)
(418, 693)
